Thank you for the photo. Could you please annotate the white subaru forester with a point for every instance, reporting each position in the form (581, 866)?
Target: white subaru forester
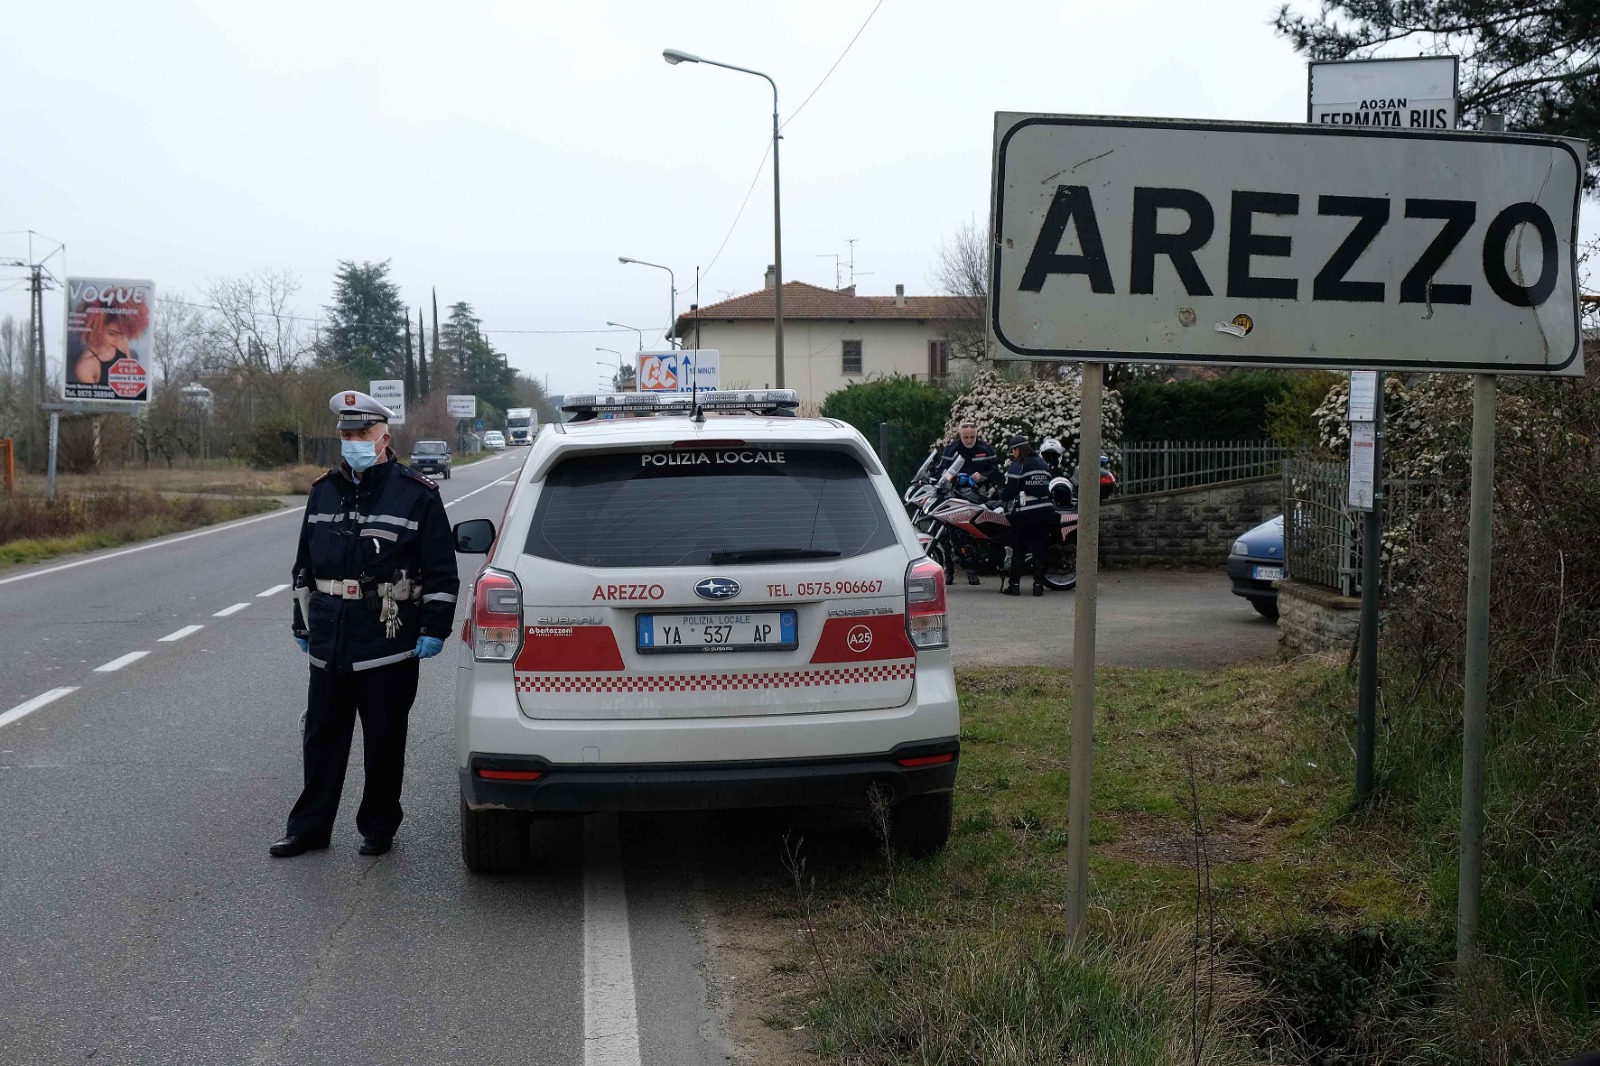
(685, 612)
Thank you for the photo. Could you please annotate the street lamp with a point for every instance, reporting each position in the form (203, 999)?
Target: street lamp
(636, 329)
(673, 56)
(672, 336)
(616, 382)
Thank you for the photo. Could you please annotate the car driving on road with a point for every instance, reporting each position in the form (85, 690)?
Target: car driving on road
(431, 457)
(494, 440)
(689, 612)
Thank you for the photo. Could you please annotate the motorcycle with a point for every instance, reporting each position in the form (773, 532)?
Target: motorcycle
(970, 531)
(922, 483)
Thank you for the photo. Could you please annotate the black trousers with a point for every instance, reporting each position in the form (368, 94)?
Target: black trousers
(1030, 532)
(382, 697)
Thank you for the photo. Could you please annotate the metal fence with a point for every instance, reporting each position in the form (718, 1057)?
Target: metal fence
(1161, 466)
(1321, 535)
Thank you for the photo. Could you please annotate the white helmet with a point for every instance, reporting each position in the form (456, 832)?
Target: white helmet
(1050, 450)
(1061, 492)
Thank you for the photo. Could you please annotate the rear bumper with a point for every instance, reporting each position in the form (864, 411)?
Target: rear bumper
(844, 781)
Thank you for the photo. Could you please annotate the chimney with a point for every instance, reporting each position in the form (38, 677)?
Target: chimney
(899, 295)
(772, 276)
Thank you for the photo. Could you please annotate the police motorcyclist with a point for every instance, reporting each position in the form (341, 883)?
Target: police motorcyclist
(1032, 512)
(375, 592)
(978, 458)
(979, 466)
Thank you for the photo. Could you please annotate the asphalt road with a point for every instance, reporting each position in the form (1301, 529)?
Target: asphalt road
(1185, 619)
(141, 920)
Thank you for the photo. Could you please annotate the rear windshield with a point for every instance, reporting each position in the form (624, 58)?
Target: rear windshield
(679, 508)
(429, 447)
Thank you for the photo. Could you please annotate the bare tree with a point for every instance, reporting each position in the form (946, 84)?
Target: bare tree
(962, 271)
(181, 331)
(13, 377)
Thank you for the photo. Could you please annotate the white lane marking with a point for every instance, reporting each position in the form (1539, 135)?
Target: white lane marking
(208, 531)
(474, 492)
(22, 710)
(180, 633)
(273, 591)
(226, 611)
(610, 1010)
(120, 661)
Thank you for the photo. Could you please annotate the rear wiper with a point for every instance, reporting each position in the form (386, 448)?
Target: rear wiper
(761, 555)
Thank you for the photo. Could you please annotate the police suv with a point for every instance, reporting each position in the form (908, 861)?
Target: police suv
(685, 612)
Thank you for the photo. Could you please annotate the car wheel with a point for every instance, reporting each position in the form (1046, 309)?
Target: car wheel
(494, 842)
(920, 825)
(1061, 564)
(1266, 608)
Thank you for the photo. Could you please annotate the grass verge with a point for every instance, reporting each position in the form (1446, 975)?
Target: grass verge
(214, 477)
(1241, 910)
(33, 530)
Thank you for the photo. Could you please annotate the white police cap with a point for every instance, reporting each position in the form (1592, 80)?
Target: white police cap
(357, 410)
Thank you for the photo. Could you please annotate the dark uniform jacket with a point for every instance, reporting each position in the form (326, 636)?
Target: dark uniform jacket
(1027, 485)
(978, 459)
(391, 521)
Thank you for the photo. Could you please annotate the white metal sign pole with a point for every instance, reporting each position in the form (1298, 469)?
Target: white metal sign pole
(1083, 621)
(1475, 675)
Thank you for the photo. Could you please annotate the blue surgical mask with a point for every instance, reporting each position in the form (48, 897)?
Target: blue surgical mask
(360, 454)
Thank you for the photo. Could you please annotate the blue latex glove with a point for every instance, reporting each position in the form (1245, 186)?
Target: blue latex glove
(428, 647)
(963, 479)
(305, 644)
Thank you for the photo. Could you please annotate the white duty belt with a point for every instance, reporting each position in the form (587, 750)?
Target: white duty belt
(349, 588)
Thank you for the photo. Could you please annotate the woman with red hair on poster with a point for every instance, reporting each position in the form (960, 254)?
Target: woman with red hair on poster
(109, 330)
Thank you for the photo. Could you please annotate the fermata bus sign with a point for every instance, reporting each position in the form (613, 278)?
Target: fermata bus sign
(1135, 240)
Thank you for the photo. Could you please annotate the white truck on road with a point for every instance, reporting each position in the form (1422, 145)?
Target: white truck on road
(522, 425)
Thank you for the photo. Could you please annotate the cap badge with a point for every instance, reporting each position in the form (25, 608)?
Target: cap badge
(349, 399)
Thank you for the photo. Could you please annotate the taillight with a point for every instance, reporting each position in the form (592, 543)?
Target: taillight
(925, 613)
(496, 617)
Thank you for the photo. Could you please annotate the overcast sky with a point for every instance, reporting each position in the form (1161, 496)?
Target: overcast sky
(509, 152)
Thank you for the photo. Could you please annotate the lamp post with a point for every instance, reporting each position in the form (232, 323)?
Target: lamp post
(673, 56)
(637, 330)
(616, 382)
(672, 332)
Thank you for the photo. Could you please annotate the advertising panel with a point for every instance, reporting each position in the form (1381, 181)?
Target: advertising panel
(391, 392)
(108, 337)
(679, 370)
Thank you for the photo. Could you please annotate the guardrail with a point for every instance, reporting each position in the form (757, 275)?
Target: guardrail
(1162, 466)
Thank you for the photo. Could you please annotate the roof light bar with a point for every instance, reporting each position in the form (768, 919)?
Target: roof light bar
(586, 406)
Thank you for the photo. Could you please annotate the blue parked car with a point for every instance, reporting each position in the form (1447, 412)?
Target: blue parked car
(1255, 563)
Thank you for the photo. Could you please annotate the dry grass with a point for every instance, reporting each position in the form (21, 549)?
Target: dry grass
(32, 529)
(218, 477)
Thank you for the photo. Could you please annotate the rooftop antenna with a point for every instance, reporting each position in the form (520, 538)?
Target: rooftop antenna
(835, 257)
(851, 241)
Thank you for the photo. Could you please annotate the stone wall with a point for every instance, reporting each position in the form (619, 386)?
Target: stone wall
(1314, 620)
(1197, 525)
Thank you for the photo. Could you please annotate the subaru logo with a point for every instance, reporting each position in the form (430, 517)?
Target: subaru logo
(717, 588)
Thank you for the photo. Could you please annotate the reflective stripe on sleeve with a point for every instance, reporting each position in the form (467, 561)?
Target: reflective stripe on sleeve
(387, 519)
(439, 597)
(325, 516)
(383, 534)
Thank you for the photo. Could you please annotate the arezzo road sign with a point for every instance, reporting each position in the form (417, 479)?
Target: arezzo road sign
(1133, 240)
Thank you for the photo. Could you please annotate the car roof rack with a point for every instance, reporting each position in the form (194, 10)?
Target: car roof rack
(589, 406)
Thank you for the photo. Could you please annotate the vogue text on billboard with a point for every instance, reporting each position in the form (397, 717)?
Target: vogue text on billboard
(109, 336)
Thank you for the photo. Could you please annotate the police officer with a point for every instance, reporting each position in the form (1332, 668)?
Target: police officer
(375, 593)
(1026, 495)
(978, 458)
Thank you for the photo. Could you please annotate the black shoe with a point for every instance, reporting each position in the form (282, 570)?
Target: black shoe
(1038, 588)
(949, 578)
(1011, 590)
(972, 579)
(292, 845)
(375, 845)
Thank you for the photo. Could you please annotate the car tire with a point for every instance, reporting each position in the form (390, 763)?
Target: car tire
(1266, 608)
(920, 825)
(494, 842)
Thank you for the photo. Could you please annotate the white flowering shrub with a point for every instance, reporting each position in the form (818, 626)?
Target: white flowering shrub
(1546, 572)
(1034, 408)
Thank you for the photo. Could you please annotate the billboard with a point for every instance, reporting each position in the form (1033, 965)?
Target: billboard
(679, 370)
(1165, 241)
(108, 338)
(391, 392)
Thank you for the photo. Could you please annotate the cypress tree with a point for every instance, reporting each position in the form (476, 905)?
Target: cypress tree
(411, 366)
(422, 355)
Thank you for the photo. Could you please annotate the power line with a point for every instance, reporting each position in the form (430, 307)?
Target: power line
(322, 320)
(762, 166)
(833, 68)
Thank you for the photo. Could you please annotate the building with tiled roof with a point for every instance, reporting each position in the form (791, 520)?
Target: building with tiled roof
(831, 337)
